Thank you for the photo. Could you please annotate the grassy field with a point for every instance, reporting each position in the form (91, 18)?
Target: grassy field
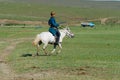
(93, 54)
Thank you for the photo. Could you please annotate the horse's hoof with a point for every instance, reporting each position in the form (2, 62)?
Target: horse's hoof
(49, 55)
(46, 54)
(52, 51)
(35, 55)
(58, 52)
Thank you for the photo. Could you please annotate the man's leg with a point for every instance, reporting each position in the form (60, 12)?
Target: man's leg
(57, 37)
(56, 40)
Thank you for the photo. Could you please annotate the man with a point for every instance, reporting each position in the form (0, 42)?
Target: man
(54, 27)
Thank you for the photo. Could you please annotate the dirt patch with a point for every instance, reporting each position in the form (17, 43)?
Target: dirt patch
(18, 22)
(60, 74)
(75, 21)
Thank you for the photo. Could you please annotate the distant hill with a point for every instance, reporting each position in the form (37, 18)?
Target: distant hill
(72, 11)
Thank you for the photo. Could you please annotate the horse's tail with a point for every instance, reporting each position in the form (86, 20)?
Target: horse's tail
(37, 41)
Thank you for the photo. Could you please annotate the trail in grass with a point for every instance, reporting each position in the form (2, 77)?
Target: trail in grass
(6, 73)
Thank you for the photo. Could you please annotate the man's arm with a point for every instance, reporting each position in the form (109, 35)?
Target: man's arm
(54, 23)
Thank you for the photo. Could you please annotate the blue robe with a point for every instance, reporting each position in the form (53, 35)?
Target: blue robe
(53, 26)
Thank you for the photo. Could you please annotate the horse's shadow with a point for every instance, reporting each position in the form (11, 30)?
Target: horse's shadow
(26, 55)
(46, 55)
(31, 55)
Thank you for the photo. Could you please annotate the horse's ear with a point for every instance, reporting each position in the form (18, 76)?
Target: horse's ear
(67, 27)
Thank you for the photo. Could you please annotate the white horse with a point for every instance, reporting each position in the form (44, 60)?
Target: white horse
(47, 38)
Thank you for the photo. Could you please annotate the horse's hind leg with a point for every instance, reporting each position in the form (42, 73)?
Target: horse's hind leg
(37, 54)
(37, 50)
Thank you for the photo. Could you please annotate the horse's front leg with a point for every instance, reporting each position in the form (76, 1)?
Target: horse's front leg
(60, 48)
(54, 49)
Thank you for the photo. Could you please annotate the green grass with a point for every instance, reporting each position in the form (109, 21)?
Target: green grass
(93, 51)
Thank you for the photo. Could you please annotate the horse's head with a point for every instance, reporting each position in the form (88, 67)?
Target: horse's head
(68, 32)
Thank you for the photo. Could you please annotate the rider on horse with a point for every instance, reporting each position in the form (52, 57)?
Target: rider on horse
(54, 27)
